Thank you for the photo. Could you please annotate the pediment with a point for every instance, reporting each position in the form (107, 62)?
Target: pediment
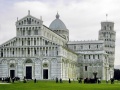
(29, 20)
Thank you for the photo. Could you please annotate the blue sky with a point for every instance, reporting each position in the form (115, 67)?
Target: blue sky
(81, 17)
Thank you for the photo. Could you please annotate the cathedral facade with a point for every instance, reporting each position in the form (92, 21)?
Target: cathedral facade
(43, 52)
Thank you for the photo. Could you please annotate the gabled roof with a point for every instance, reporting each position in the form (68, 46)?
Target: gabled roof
(28, 17)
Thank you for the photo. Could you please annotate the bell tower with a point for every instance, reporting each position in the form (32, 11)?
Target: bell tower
(108, 34)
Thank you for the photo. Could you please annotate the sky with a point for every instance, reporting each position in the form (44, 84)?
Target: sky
(82, 17)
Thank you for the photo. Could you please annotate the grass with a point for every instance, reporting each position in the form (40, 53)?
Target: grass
(51, 85)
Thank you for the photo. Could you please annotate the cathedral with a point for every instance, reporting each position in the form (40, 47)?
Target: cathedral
(43, 52)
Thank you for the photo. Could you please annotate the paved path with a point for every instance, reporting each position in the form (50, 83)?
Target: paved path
(4, 83)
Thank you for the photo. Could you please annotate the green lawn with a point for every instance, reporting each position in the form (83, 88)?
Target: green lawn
(51, 85)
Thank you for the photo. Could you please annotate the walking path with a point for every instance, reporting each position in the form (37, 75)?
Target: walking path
(4, 83)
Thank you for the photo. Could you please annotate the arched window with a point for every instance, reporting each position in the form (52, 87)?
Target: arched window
(34, 41)
(23, 32)
(1, 53)
(37, 22)
(89, 46)
(74, 47)
(36, 32)
(29, 32)
(28, 20)
(97, 46)
(22, 42)
(22, 51)
(93, 56)
(28, 41)
(46, 42)
(98, 56)
(35, 51)
(13, 52)
(28, 50)
(85, 68)
(24, 21)
(105, 27)
(110, 28)
(81, 47)
(89, 56)
(84, 56)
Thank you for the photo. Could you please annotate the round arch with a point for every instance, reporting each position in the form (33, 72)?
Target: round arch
(28, 60)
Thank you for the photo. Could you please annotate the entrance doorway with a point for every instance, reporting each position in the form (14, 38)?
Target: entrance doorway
(12, 73)
(45, 73)
(28, 72)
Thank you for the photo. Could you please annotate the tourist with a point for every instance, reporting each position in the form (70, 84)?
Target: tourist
(112, 80)
(13, 80)
(35, 80)
(69, 80)
(79, 80)
(2, 79)
(60, 80)
(99, 81)
(56, 80)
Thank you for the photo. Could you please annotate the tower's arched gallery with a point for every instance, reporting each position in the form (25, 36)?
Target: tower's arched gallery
(43, 52)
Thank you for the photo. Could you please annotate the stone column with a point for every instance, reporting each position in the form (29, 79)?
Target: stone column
(5, 53)
(54, 52)
(26, 41)
(26, 51)
(42, 41)
(16, 52)
(36, 41)
(20, 52)
(48, 52)
(45, 51)
(33, 51)
(42, 52)
(19, 41)
(36, 51)
(30, 52)
(21, 32)
(39, 41)
(30, 41)
(33, 41)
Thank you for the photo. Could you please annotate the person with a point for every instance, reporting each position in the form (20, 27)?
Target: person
(8, 79)
(60, 80)
(24, 80)
(99, 81)
(106, 81)
(79, 80)
(112, 80)
(2, 79)
(69, 80)
(35, 80)
(56, 80)
(13, 80)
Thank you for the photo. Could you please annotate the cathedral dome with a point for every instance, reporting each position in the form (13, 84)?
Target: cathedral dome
(57, 24)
